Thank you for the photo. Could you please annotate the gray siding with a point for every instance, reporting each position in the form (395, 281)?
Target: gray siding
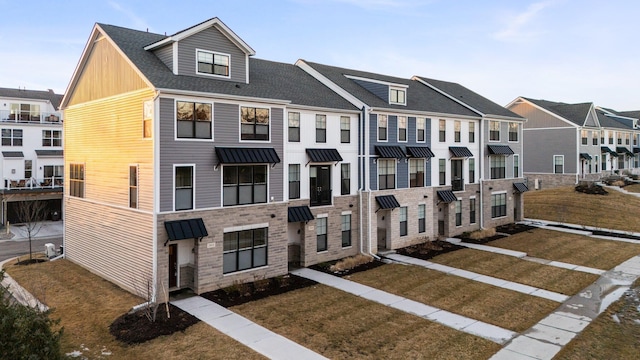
(379, 90)
(212, 40)
(208, 188)
(165, 54)
(427, 170)
(504, 140)
(541, 145)
(537, 118)
(402, 174)
(591, 120)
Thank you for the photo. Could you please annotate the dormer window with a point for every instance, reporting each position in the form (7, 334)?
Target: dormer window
(211, 63)
(397, 96)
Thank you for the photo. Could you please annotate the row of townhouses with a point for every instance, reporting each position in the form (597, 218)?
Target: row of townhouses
(32, 158)
(194, 164)
(566, 143)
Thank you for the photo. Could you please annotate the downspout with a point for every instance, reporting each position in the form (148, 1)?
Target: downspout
(483, 163)
(367, 181)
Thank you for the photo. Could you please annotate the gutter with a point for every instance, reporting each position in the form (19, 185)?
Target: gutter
(482, 166)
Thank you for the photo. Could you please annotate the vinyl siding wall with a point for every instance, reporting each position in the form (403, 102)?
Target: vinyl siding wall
(165, 54)
(541, 145)
(537, 118)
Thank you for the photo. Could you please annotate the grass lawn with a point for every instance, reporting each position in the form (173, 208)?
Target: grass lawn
(339, 325)
(508, 309)
(563, 281)
(88, 304)
(570, 248)
(613, 211)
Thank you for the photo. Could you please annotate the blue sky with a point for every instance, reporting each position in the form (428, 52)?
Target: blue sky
(561, 50)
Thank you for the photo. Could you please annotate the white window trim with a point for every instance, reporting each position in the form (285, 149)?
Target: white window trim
(514, 166)
(245, 227)
(193, 186)
(378, 128)
(395, 173)
(406, 124)
(261, 106)
(404, 90)
(213, 53)
(499, 131)
(424, 171)
(554, 164)
(137, 166)
(175, 121)
(517, 132)
(84, 179)
(269, 199)
(425, 130)
(149, 106)
(506, 204)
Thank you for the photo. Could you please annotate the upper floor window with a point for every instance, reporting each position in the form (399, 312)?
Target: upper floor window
(147, 119)
(28, 169)
(402, 128)
(345, 129)
(457, 128)
(472, 170)
(211, 63)
(610, 137)
(516, 165)
(416, 172)
(11, 137)
(382, 127)
(420, 129)
(76, 180)
(514, 128)
(558, 164)
(133, 187)
(386, 174)
(626, 139)
(294, 127)
(472, 132)
(51, 138)
(584, 137)
(245, 184)
(193, 120)
(497, 166)
(53, 171)
(635, 139)
(619, 139)
(397, 96)
(494, 131)
(595, 138)
(294, 181)
(345, 179)
(321, 128)
(442, 171)
(254, 123)
(183, 188)
(442, 131)
(602, 137)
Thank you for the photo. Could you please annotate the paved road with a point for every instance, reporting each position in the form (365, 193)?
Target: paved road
(13, 248)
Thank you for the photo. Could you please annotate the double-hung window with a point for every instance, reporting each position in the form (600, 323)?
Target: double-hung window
(382, 127)
(472, 210)
(211, 63)
(498, 205)
(584, 137)
(246, 184)
(11, 137)
(183, 188)
(321, 234)
(76, 180)
(294, 127)
(397, 96)
(133, 187)
(472, 132)
(28, 169)
(442, 131)
(457, 129)
(497, 166)
(594, 139)
(610, 137)
(403, 221)
(402, 128)
(458, 213)
(421, 218)
(514, 129)
(442, 171)
(246, 249)
(345, 129)
(321, 128)
(420, 129)
(346, 230)
(51, 138)
(254, 123)
(345, 179)
(193, 120)
(294, 181)
(386, 174)
(602, 137)
(516, 165)
(53, 171)
(416, 172)
(558, 164)
(604, 162)
(494, 131)
(472, 170)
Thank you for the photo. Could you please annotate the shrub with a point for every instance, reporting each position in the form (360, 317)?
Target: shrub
(619, 183)
(26, 332)
(482, 233)
(351, 262)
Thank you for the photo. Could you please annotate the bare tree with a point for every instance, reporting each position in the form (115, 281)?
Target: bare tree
(31, 213)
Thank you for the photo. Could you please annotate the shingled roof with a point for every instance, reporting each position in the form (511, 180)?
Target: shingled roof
(268, 79)
(48, 95)
(613, 122)
(576, 113)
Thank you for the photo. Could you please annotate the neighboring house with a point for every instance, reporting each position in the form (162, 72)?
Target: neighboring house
(621, 132)
(32, 158)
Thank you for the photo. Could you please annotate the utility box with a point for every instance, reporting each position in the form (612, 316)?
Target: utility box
(50, 250)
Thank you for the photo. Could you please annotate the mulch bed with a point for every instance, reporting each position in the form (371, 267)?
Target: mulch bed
(326, 268)
(429, 249)
(501, 232)
(135, 328)
(591, 189)
(31, 261)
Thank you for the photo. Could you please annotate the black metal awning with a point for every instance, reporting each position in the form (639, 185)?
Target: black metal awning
(420, 152)
(392, 152)
(387, 202)
(624, 150)
(49, 153)
(636, 150)
(585, 156)
(299, 214)
(229, 155)
(500, 150)
(520, 187)
(13, 154)
(185, 229)
(324, 155)
(605, 149)
(460, 151)
(447, 196)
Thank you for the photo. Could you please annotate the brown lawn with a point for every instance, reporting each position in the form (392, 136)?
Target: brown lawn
(87, 304)
(339, 325)
(551, 278)
(508, 309)
(633, 188)
(614, 211)
(570, 248)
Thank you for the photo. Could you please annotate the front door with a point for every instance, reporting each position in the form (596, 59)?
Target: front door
(320, 185)
(173, 266)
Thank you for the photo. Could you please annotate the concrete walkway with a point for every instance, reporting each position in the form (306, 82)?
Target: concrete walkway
(585, 230)
(458, 322)
(501, 283)
(244, 331)
(619, 189)
(524, 256)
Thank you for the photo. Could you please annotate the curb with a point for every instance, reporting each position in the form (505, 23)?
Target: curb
(19, 293)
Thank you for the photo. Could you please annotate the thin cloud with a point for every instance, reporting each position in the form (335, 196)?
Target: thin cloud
(515, 29)
(136, 21)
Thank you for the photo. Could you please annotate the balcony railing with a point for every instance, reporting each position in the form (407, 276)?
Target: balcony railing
(33, 183)
(26, 117)
(457, 184)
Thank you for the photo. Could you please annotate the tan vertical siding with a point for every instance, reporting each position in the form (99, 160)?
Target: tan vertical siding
(537, 118)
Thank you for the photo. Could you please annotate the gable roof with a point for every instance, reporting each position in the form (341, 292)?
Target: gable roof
(472, 99)
(575, 113)
(418, 97)
(632, 114)
(608, 121)
(49, 95)
(269, 80)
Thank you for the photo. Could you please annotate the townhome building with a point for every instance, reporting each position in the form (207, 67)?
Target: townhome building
(32, 157)
(620, 133)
